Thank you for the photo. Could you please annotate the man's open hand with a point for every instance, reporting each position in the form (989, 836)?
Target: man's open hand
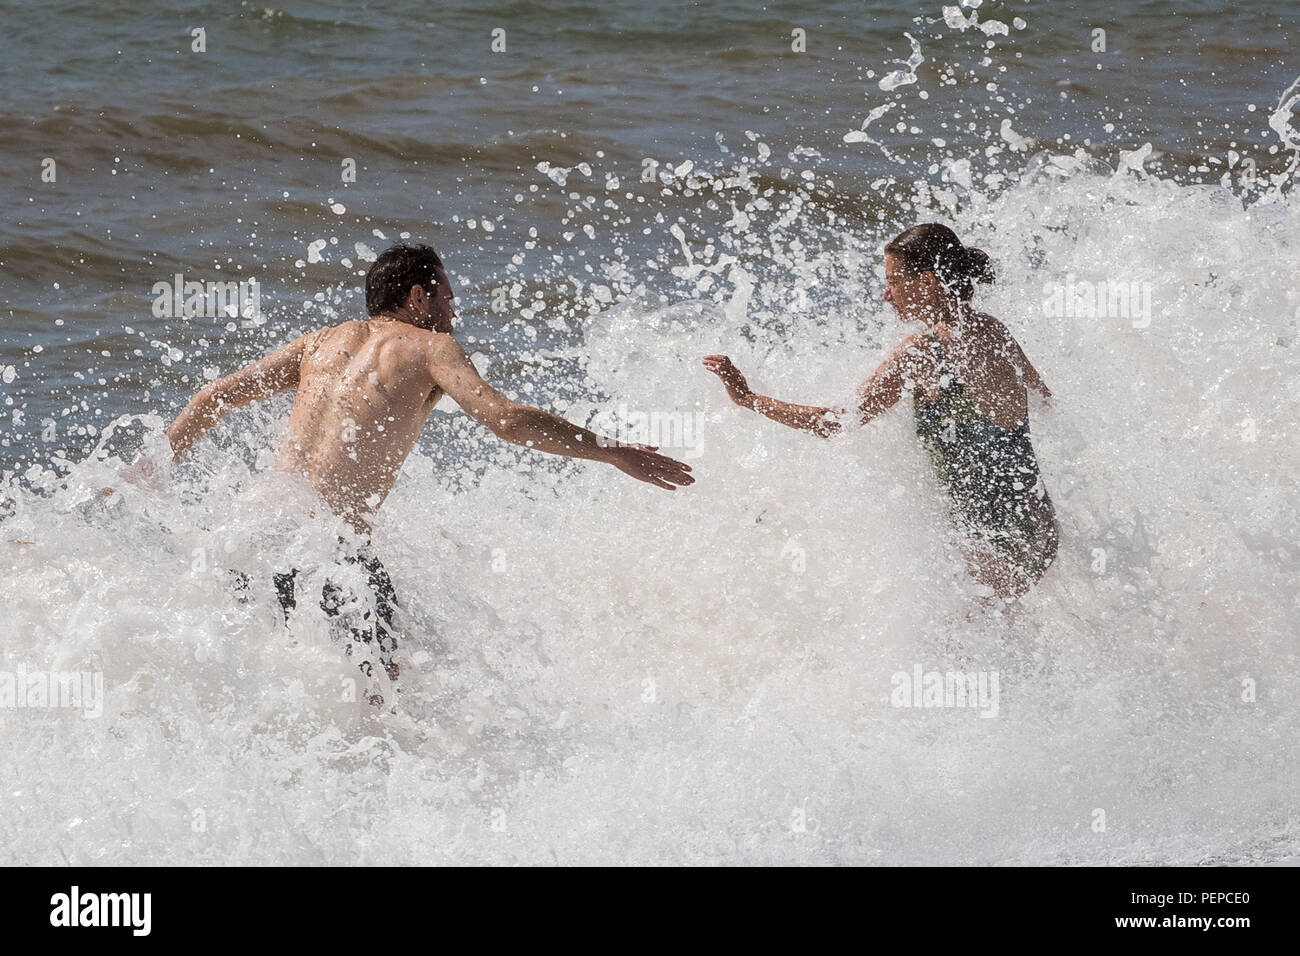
(643, 462)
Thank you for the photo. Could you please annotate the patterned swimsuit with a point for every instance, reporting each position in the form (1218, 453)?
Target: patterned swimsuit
(991, 473)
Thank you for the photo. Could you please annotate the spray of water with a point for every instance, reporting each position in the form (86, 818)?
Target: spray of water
(594, 671)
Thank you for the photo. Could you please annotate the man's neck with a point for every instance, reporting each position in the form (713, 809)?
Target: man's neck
(393, 317)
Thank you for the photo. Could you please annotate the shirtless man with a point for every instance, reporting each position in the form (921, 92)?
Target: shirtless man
(364, 392)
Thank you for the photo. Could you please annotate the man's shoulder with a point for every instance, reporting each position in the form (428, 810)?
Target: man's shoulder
(403, 331)
(316, 336)
(443, 345)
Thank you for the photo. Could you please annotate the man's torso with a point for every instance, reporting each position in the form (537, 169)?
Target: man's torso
(365, 391)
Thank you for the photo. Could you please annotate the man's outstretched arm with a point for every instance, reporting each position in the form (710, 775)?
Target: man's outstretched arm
(263, 379)
(542, 431)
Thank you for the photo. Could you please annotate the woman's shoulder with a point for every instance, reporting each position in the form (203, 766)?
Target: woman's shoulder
(918, 345)
(991, 331)
(916, 356)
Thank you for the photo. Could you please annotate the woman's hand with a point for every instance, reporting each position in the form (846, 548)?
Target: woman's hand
(737, 388)
(822, 422)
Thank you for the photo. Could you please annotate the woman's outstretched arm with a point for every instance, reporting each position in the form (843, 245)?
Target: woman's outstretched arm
(823, 422)
(876, 395)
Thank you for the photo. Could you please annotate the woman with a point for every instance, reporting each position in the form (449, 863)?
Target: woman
(968, 380)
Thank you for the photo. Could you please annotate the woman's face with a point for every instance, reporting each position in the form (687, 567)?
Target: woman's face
(914, 297)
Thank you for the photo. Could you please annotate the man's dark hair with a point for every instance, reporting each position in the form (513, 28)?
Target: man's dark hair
(390, 277)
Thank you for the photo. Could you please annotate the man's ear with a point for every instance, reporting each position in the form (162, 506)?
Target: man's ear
(417, 300)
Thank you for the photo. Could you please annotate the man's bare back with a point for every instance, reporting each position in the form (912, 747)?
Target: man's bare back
(365, 391)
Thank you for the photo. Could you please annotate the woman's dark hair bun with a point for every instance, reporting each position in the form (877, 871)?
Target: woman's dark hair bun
(978, 268)
(932, 247)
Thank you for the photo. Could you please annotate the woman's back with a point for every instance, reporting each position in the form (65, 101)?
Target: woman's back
(978, 439)
(985, 358)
